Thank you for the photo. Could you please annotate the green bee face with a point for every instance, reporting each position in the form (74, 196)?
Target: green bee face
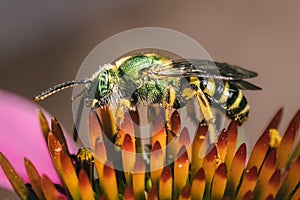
(104, 84)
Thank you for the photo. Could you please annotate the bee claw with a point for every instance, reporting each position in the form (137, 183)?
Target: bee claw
(172, 133)
(203, 122)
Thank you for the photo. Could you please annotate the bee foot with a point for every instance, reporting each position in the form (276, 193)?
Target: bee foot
(212, 131)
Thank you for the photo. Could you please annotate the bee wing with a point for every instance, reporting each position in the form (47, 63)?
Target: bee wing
(208, 69)
(244, 85)
(205, 69)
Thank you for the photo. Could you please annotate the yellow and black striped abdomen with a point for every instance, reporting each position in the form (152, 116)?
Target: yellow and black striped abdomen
(226, 94)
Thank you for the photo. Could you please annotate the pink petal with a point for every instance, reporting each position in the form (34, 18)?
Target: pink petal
(21, 136)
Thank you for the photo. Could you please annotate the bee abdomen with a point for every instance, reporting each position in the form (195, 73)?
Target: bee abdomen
(237, 107)
(225, 94)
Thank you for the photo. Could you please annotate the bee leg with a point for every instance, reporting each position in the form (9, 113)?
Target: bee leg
(208, 115)
(123, 103)
(77, 120)
(167, 103)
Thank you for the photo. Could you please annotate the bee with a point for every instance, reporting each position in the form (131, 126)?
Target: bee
(154, 79)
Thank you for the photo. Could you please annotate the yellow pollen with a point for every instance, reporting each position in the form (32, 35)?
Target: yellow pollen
(275, 138)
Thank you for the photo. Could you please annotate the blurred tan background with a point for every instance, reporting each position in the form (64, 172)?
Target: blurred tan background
(44, 43)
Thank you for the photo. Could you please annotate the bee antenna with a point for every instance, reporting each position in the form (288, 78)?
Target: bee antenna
(59, 87)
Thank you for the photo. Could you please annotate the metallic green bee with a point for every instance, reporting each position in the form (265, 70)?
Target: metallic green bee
(154, 79)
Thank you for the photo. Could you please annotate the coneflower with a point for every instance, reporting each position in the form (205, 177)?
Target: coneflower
(187, 170)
